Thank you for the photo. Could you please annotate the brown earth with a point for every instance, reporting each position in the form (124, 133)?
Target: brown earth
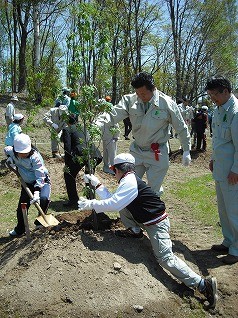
(73, 270)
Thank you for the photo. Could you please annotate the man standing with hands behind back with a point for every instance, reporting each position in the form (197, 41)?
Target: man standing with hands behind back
(224, 164)
(151, 112)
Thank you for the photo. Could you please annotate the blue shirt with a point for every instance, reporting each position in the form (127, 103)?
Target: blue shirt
(225, 139)
(13, 130)
(31, 169)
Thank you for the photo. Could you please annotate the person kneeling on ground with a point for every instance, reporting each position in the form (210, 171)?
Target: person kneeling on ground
(30, 165)
(141, 208)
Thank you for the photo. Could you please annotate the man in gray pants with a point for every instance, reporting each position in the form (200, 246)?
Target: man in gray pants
(224, 164)
(141, 208)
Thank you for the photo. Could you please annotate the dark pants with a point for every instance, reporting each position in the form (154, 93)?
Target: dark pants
(201, 140)
(24, 198)
(127, 125)
(72, 169)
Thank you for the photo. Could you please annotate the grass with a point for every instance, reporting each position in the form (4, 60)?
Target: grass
(197, 197)
(200, 195)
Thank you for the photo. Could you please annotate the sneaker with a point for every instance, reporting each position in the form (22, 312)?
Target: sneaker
(210, 291)
(129, 233)
(13, 233)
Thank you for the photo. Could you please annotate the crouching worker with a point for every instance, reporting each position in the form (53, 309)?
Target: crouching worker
(141, 209)
(30, 166)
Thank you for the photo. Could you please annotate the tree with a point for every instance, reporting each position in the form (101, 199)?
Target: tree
(198, 32)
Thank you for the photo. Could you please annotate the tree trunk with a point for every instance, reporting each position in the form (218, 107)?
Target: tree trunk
(22, 50)
(36, 24)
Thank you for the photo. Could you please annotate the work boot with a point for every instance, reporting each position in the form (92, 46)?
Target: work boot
(129, 233)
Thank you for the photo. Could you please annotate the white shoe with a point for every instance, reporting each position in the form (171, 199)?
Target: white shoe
(13, 233)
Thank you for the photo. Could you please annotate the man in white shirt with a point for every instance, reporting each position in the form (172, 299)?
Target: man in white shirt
(10, 110)
(141, 209)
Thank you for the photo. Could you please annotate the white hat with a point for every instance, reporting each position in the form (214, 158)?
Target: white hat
(18, 117)
(204, 107)
(14, 98)
(123, 158)
(22, 143)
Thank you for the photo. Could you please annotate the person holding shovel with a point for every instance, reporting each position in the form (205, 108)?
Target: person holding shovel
(141, 209)
(30, 165)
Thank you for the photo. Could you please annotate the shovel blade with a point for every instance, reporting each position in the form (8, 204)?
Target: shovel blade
(51, 220)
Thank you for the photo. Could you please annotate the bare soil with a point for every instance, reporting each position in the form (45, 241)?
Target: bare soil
(73, 270)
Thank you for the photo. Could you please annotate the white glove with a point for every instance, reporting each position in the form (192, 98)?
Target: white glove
(10, 162)
(186, 158)
(36, 197)
(55, 126)
(84, 204)
(91, 178)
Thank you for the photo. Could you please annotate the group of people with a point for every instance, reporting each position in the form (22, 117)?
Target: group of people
(152, 113)
(198, 119)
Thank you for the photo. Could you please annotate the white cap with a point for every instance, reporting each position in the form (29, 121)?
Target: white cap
(14, 98)
(22, 143)
(18, 117)
(205, 107)
(123, 158)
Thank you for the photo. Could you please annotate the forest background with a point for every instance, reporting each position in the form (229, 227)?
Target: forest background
(47, 44)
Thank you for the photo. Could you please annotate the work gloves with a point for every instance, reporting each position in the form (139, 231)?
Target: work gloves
(55, 126)
(91, 178)
(186, 158)
(10, 162)
(84, 204)
(36, 197)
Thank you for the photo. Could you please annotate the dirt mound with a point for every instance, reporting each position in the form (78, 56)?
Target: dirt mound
(75, 270)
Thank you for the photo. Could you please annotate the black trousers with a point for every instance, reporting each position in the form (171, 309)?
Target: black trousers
(201, 140)
(24, 198)
(72, 169)
(127, 125)
(70, 179)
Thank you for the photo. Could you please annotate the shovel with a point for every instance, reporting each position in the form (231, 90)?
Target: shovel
(44, 219)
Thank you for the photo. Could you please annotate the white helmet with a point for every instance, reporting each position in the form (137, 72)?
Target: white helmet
(123, 158)
(18, 117)
(22, 143)
(204, 107)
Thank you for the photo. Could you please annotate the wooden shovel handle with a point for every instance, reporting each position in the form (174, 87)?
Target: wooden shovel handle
(28, 191)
